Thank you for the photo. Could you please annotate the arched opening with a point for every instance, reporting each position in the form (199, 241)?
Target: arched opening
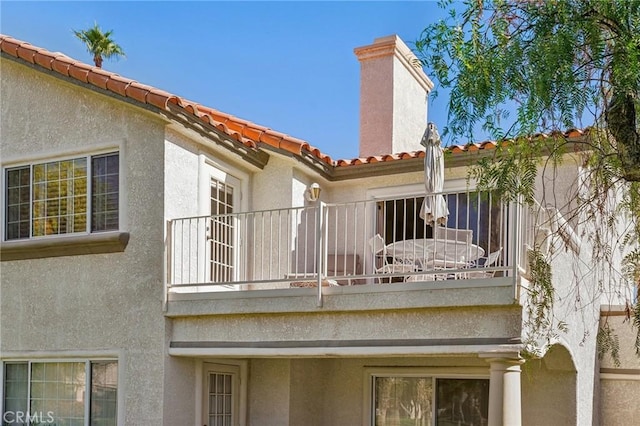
(549, 389)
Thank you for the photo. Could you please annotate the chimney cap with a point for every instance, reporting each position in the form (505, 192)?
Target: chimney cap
(393, 45)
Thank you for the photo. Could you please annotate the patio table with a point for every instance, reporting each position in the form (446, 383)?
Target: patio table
(429, 252)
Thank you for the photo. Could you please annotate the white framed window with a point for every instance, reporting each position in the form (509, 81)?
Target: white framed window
(74, 393)
(67, 196)
(424, 398)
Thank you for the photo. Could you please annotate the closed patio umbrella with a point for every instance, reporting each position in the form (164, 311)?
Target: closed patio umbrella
(434, 208)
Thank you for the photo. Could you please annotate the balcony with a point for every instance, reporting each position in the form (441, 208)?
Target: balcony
(332, 250)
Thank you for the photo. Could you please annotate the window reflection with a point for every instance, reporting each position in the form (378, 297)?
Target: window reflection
(412, 401)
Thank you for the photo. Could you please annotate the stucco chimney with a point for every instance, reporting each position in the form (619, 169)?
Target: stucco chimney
(393, 97)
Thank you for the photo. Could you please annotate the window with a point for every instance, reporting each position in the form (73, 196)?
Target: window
(56, 393)
(423, 400)
(76, 195)
(220, 398)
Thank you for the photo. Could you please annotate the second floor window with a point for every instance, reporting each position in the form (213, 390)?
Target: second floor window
(76, 195)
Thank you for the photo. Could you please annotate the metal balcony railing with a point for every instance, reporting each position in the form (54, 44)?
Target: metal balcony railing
(366, 242)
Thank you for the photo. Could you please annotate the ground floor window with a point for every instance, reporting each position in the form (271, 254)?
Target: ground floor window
(77, 393)
(404, 400)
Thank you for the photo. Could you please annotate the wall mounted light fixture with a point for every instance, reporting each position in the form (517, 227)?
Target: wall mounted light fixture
(313, 192)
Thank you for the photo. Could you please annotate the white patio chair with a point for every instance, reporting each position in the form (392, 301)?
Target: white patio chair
(430, 277)
(453, 234)
(489, 260)
(397, 266)
(436, 270)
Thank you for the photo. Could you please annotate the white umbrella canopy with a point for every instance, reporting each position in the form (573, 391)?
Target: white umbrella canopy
(434, 208)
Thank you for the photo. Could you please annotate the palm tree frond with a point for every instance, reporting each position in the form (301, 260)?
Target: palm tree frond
(99, 44)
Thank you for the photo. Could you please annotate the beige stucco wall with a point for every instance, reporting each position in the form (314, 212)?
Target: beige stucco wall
(626, 335)
(179, 399)
(308, 383)
(549, 390)
(620, 384)
(269, 393)
(182, 170)
(570, 274)
(399, 323)
(273, 188)
(619, 402)
(79, 306)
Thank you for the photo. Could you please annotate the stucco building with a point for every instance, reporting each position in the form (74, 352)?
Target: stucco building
(165, 263)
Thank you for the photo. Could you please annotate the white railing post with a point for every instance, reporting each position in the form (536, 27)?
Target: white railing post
(516, 241)
(167, 265)
(319, 247)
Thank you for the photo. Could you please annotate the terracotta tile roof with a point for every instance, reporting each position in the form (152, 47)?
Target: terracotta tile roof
(453, 149)
(245, 132)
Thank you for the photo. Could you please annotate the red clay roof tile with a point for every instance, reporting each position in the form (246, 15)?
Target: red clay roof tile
(61, 66)
(158, 98)
(118, 85)
(44, 59)
(26, 53)
(290, 146)
(235, 126)
(80, 71)
(245, 132)
(137, 91)
(253, 133)
(98, 78)
(10, 46)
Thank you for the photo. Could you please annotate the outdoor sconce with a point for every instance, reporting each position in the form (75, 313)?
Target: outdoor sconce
(313, 192)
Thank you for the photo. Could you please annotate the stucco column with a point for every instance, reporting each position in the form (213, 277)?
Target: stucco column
(505, 407)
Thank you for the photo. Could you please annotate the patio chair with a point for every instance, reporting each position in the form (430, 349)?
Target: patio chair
(453, 234)
(381, 256)
(437, 270)
(488, 261)
(430, 277)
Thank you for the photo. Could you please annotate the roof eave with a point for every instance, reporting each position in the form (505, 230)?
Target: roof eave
(170, 113)
(245, 150)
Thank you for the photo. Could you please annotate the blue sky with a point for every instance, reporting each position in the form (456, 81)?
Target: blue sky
(285, 65)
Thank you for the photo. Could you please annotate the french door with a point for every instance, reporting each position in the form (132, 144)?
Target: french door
(222, 197)
(221, 395)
